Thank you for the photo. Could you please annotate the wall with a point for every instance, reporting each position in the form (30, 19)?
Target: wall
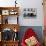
(37, 30)
(38, 21)
(6, 3)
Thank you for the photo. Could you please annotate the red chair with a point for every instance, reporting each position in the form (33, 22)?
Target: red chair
(29, 33)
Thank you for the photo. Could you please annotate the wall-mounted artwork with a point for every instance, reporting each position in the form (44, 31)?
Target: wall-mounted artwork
(29, 12)
(5, 12)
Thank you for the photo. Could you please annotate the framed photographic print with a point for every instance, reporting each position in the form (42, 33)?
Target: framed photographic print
(5, 12)
(30, 12)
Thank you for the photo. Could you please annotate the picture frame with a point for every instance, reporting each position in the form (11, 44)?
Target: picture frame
(5, 12)
(29, 12)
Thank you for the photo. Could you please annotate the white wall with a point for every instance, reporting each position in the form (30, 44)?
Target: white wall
(12, 20)
(7, 3)
(38, 21)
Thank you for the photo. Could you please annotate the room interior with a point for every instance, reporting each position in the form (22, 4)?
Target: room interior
(16, 16)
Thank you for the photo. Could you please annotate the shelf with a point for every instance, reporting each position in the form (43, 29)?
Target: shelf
(6, 12)
(7, 16)
(11, 41)
(9, 10)
(10, 26)
(9, 7)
